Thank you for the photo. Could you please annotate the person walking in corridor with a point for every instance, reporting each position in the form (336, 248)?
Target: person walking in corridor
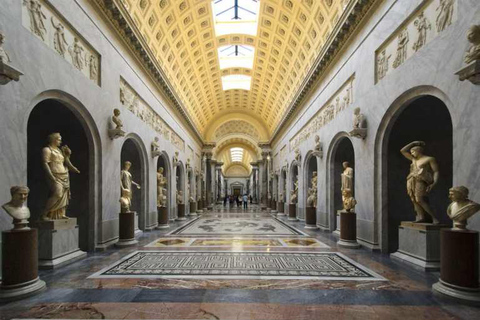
(245, 201)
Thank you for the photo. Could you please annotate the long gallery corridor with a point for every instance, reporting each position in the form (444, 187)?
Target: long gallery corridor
(232, 263)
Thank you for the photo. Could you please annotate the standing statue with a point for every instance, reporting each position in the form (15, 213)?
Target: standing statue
(59, 42)
(155, 148)
(93, 67)
(293, 197)
(461, 207)
(421, 180)
(125, 201)
(312, 197)
(17, 209)
(3, 54)
(127, 181)
(161, 190)
(280, 197)
(179, 197)
(56, 163)
(36, 17)
(402, 42)
(348, 200)
(422, 25)
(76, 51)
(473, 52)
(382, 64)
(175, 159)
(347, 177)
(445, 14)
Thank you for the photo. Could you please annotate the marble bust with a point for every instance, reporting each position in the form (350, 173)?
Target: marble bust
(179, 197)
(16, 207)
(116, 132)
(359, 125)
(3, 54)
(461, 207)
(473, 36)
(349, 201)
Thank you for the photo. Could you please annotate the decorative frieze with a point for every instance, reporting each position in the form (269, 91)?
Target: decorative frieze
(336, 104)
(135, 104)
(53, 30)
(424, 25)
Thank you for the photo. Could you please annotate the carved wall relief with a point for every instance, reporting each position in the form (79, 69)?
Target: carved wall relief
(337, 103)
(136, 105)
(51, 28)
(417, 30)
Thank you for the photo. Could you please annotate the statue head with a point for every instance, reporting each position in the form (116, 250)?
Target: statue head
(356, 111)
(416, 151)
(459, 193)
(314, 174)
(317, 138)
(473, 34)
(346, 164)
(116, 112)
(156, 139)
(127, 165)
(55, 139)
(160, 170)
(19, 195)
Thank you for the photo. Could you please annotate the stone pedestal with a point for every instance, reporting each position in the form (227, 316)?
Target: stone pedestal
(348, 230)
(126, 230)
(459, 274)
(193, 208)
(162, 218)
(20, 265)
(292, 212)
(181, 212)
(58, 243)
(311, 218)
(419, 244)
(281, 209)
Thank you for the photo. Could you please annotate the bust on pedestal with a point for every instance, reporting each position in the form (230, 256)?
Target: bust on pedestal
(20, 251)
(459, 275)
(292, 208)
(348, 221)
(180, 206)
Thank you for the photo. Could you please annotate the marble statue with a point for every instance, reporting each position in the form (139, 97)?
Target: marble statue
(17, 209)
(93, 67)
(348, 200)
(175, 158)
(444, 14)
(179, 197)
(3, 54)
(161, 188)
(359, 124)
(37, 17)
(293, 197)
(298, 156)
(155, 148)
(59, 42)
(422, 25)
(318, 151)
(312, 197)
(117, 132)
(402, 42)
(473, 52)
(421, 180)
(125, 201)
(347, 177)
(461, 207)
(382, 64)
(56, 163)
(76, 51)
(314, 179)
(127, 180)
(280, 197)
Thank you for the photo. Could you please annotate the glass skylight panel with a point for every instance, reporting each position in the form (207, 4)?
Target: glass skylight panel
(236, 154)
(236, 56)
(236, 81)
(235, 16)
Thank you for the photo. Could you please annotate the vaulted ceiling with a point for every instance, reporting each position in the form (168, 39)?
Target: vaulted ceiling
(182, 37)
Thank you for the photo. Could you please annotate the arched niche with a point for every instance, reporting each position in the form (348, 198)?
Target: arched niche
(293, 177)
(133, 151)
(163, 162)
(341, 151)
(69, 118)
(422, 118)
(309, 168)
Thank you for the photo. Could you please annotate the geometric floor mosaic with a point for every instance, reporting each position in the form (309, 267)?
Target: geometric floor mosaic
(237, 243)
(238, 265)
(235, 227)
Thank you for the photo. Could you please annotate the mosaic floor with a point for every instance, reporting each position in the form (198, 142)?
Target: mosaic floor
(238, 265)
(211, 226)
(236, 243)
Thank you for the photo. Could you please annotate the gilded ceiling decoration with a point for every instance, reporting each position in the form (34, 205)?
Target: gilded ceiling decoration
(181, 36)
(240, 127)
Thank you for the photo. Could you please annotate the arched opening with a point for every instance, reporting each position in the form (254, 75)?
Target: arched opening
(132, 152)
(342, 152)
(50, 116)
(162, 162)
(425, 118)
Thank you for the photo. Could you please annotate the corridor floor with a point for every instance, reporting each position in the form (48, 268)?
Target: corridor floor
(390, 289)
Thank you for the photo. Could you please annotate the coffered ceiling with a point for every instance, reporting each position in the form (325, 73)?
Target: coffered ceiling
(182, 38)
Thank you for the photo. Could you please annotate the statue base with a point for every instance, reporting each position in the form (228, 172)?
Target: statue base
(360, 133)
(292, 212)
(126, 230)
(20, 265)
(162, 218)
(8, 73)
(348, 230)
(58, 243)
(274, 205)
(419, 244)
(193, 208)
(459, 274)
(281, 209)
(181, 212)
(116, 133)
(311, 218)
(470, 73)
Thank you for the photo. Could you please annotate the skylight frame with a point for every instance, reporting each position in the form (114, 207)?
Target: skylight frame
(236, 82)
(236, 56)
(235, 17)
(236, 154)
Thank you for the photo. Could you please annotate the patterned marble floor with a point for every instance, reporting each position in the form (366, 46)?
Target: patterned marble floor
(236, 243)
(71, 294)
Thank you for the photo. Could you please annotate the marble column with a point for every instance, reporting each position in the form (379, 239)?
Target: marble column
(254, 179)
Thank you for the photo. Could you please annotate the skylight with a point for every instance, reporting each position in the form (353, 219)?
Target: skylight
(236, 56)
(236, 81)
(236, 154)
(235, 16)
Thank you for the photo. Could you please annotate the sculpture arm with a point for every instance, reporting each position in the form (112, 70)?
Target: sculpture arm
(406, 150)
(70, 166)
(136, 184)
(46, 153)
(436, 174)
